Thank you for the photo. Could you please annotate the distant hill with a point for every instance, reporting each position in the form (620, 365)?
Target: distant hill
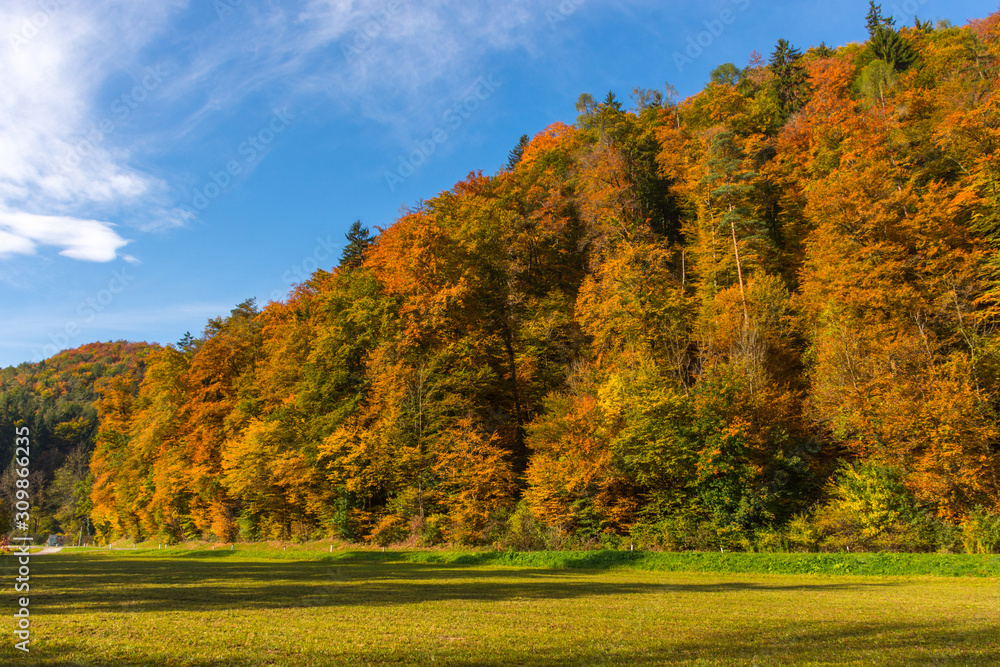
(55, 399)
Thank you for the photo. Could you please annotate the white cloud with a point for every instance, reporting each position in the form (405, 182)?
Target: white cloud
(64, 179)
(88, 240)
(57, 169)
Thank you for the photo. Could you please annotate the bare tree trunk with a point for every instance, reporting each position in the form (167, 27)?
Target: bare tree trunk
(739, 272)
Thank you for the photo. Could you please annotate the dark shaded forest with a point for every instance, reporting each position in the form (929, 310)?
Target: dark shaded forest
(56, 399)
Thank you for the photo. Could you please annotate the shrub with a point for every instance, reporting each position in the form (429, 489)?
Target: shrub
(802, 534)
(246, 526)
(770, 539)
(875, 497)
(686, 532)
(981, 532)
(430, 531)
(388, 530)
(872, 509)
(527, 533)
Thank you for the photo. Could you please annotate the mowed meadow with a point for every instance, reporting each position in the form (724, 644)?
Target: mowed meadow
(271, 607)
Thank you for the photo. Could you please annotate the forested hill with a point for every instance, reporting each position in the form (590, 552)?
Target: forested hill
(765, 315)
(55, 399)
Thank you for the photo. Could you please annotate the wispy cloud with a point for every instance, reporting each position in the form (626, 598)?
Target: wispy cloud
(386, 60)
(69, 150)
(53, 64)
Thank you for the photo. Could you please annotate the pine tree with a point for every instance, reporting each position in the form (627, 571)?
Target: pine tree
(646, 99)
(789, 77)
(358, 241)
(731, 191)
(517, 152)
(188, 343)
(886, 43)
(890, 46)
(875, 21)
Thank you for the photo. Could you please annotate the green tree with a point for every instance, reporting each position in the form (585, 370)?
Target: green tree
(875, 21)
(824, 51)
(790, 78)
(732, 187)
(515, 153)
(358, 241)
(726, 74)
(886, 43)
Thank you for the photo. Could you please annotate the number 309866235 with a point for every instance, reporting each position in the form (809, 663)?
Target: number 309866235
(22, 453)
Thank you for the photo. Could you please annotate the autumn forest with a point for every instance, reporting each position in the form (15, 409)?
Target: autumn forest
(761, 318)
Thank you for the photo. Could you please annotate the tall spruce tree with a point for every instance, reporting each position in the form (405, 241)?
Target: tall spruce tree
(358, 241)
(517, 152)
(875, 20)
(790, 78)
(885, 42)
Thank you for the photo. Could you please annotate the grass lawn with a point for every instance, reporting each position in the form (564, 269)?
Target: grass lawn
(361, 608)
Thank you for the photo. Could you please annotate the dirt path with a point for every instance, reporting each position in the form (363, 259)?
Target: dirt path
(48, 550)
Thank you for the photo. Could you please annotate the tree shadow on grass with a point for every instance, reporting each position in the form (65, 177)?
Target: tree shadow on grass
(96, 583)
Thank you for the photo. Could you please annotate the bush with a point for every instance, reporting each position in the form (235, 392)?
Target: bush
(526, 533)
(770, 540)
(428, 532)
(802, 534)
(389, 530)
(689, 532)
(981, 532)
(871, 509)
(875, 497)
(246, 526)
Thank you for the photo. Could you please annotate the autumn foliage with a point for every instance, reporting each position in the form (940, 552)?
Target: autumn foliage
(719, 316)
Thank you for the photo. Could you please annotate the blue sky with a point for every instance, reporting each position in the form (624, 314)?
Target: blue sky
(162, 161)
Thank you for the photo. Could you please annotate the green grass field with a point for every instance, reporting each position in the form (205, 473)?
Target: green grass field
(428, 608)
